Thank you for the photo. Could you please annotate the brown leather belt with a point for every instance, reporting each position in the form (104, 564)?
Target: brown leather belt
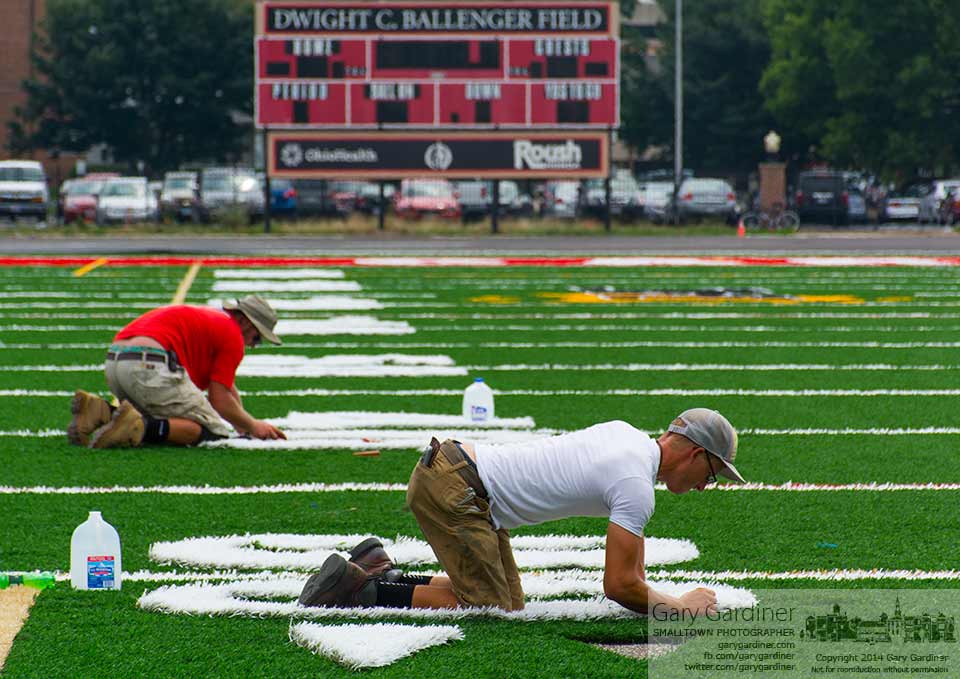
(455, 455)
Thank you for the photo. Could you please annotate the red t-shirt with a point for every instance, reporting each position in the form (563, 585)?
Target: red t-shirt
(208, 342)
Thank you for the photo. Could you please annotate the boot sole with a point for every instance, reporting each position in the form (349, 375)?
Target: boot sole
(73, 431)
(323, 581)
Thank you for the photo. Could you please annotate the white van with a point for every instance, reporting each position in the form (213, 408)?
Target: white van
(23, 190)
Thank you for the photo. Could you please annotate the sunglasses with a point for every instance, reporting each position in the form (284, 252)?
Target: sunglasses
(713, 475)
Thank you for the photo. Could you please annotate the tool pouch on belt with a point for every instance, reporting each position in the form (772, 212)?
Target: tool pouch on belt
(173, 364)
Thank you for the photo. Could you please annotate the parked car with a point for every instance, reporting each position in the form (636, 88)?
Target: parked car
(822, 197)
(126, 199)
(312, 197)
(657, 201)
(700, 198)
(856, 206)
(561, 199)
(283, 197)
(905, 204)
(475, 198)
(23, 190)
(180, 196)
(368, 198)
(78, 197)
(225, 188)
(626, 198)
(931, 203)
(950, 208)
(426, 197)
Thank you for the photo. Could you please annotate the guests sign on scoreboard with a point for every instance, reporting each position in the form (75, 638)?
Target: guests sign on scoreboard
(429, 65)
(422, 154)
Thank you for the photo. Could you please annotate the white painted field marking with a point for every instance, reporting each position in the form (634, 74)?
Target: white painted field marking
(325, 303)
(205, 490)
(696, 367)
(668, 261)
(277, 273)
(260, 286)
(26, 433)
(89, 367)
(355, 418)
(343, 325)
(378, 645)
(381, 439)
(77, 305)
(204, 599)
(688, 315)
(348, 365)
(308, 552)
(789, 486)
(826, 575)
(22, 327)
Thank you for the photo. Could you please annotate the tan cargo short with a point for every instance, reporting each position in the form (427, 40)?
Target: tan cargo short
(456, 522)
(156, 391)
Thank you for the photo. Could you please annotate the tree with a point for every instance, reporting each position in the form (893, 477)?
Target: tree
(725, 49)
(873, 85)
(158, 82)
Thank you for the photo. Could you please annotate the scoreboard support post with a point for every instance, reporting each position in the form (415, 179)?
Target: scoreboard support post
(495, 208)
(381, 207)
(266, 183)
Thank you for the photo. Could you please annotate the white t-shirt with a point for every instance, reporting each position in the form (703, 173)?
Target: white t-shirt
(605, 470)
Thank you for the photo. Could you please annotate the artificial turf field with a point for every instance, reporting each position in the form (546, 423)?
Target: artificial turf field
(835, 376)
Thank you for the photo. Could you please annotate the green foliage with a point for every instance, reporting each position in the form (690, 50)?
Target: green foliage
(155, 81)
(872, 85)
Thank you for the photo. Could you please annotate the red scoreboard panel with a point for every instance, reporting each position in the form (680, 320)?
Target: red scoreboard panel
(395, 64)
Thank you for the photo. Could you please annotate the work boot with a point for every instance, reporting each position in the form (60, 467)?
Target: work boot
(372, 557)
(339, 583)
(124, 430)
(89, 413)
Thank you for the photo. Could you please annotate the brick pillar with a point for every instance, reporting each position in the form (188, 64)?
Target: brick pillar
(773, 185)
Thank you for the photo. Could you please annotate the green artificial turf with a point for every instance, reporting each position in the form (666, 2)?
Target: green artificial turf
(487, 320)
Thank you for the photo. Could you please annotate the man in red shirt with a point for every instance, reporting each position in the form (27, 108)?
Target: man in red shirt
(158, 368)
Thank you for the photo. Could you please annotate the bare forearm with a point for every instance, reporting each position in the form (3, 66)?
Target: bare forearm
(231, 409)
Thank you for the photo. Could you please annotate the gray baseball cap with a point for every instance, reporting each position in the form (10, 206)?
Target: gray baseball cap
(260, 313)
(711, 431)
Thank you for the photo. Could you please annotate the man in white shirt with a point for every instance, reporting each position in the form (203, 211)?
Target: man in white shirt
(467, 497)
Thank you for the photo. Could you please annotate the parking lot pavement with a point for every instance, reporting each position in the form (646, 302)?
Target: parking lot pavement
(809, 240)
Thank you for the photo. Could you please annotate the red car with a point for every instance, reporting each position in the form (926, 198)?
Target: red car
(426, 197)
(79, 197)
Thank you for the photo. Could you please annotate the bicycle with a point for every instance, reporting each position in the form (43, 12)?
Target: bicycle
(774, 220)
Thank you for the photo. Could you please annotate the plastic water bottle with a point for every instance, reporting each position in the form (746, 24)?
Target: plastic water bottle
(478, 402)
(95, 555)
(36, 580)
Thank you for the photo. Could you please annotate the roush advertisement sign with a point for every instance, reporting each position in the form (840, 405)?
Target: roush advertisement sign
(389, 156)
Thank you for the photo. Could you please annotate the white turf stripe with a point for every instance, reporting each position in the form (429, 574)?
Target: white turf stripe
(344, 325)
(789, 486)
(277, 273)
(202, 599)
(308, 552)
(267, 365)
(342, 419)
(532, 579)
(349, 365)
(205, 490)
(359, 646)
(261, 286)
(26, 433)
(325, 303)
(381, 439)
(827, 575)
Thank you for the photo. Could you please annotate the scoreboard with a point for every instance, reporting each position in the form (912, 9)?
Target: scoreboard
(408, 65)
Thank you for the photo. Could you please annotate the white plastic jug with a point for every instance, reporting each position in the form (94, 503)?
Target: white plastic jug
(95, 555)
(478, 401)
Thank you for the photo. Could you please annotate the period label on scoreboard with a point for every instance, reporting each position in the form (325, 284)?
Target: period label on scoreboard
(384, 17)
(397, 155)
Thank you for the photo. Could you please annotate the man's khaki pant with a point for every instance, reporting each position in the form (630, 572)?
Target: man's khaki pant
(456, 523)
(157, 392)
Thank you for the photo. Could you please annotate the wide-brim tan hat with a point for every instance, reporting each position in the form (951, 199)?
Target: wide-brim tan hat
(259, 312)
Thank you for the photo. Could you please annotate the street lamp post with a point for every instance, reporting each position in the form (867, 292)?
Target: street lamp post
(678, 113)
(773, 175)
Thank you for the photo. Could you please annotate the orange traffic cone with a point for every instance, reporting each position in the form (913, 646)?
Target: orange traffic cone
(741, 229)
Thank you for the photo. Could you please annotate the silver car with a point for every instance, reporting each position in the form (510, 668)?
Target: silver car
(707, 198)
(930, 204)
(657, 198)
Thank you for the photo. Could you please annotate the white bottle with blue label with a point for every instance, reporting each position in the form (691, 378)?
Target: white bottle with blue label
(95, 555)
(478, 402)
